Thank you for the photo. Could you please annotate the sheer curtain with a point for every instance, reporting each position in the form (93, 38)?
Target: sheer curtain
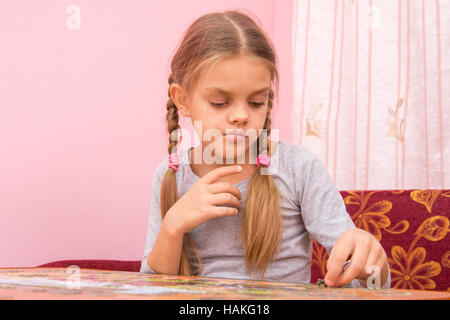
(372, 90)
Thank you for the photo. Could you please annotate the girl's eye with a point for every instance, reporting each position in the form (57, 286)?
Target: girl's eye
(217, 104)
(258, 103)
(253, 103)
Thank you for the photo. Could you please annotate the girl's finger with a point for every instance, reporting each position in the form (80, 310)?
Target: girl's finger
(221, 187)
(223, 211)
(220, 172)
(339, 254)
(224, 199)
(358, 264)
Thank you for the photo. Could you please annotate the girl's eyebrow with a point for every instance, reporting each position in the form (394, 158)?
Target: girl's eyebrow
(227, 93)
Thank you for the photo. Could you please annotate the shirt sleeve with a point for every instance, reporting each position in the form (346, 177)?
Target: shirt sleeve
(323, 209)
(154, 220)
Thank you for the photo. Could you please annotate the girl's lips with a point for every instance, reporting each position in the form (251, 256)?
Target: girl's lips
(234, 138)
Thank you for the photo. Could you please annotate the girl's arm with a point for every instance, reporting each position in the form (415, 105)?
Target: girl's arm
(164, 242)
(326, 219)
(166, 253)
(155, 229)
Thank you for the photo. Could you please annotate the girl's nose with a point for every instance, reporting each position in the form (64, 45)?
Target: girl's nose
(238, 113)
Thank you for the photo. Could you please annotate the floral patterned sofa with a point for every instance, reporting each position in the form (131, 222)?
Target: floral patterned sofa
(412, 226)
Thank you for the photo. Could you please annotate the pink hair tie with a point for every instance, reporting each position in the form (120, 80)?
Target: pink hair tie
(174, 161)
(263, 159)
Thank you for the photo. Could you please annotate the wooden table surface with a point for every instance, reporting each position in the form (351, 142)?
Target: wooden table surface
(87, 284)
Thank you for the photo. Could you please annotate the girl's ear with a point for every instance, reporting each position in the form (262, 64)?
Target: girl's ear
(179, 97)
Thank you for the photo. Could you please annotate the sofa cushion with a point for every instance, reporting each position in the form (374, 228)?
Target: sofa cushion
(116, 265)
(412, 226)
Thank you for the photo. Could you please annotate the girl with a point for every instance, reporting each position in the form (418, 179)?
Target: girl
(211, 219)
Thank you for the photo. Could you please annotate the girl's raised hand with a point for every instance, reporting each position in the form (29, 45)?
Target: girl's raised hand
(367, 258)
(201, 202)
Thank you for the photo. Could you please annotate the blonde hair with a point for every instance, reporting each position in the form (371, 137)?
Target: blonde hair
(209, 39)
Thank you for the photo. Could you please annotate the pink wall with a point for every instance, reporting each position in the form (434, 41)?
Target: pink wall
(82, 120)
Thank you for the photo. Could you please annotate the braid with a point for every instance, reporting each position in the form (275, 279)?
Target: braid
(269, 111)
(169, 192)
(267, 125)
(172, 121)
(261, 240)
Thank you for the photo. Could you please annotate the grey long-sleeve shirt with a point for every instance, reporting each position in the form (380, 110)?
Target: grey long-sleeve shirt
(311, 207)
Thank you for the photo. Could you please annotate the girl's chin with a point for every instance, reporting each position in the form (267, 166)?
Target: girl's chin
(231, 154)
(230, 151)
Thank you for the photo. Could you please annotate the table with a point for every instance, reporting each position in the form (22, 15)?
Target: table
(89, 284)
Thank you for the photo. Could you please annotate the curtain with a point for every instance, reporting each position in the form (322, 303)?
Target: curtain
(371, 90)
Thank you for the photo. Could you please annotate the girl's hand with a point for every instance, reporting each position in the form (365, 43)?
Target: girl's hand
(201, 202)
(367, 258)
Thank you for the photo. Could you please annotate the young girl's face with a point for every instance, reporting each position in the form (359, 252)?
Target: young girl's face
(230, 95)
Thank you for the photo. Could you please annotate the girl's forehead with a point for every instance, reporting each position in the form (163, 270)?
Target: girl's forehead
(230, 68)
(233, 75)
(264, 89)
